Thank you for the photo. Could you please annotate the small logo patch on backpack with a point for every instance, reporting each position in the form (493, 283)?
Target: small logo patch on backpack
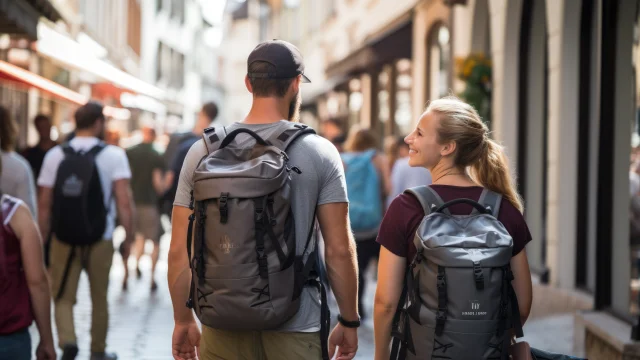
(475, 306)
(72, 186)
(226, 245)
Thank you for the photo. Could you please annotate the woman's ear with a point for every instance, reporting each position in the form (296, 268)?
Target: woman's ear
(448, 148)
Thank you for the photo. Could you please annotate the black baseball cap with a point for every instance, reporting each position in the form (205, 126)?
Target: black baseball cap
(284, 56)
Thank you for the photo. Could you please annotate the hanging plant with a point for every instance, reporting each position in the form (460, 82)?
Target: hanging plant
(475, 71)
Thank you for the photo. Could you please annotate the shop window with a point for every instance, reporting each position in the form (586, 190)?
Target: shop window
(439, 62)
(404, 82)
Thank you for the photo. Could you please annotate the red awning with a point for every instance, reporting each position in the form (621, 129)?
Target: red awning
(20, 76)
(27, 79)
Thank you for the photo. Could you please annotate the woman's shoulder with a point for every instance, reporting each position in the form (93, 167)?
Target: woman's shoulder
(9, 205)
(509, 214)
(406, 202)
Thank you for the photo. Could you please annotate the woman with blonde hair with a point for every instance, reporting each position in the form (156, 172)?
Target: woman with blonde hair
(453, 143)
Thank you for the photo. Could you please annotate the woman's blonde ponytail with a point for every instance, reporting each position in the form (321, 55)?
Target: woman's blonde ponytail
(491, 170)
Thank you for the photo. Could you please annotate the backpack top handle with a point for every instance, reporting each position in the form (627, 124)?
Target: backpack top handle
(476, 205)
(232, 135)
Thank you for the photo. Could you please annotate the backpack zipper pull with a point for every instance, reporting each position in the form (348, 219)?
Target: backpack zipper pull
(296, 170)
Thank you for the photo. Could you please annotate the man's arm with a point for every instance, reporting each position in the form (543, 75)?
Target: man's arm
(45, 200)
(179, 275)
(340, 257)
(158, 181)
(124, 203)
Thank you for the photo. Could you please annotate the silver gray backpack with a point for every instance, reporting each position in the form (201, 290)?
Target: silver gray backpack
(458, 302)
(245, 271)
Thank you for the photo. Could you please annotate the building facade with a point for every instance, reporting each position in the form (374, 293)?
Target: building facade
(178, 59)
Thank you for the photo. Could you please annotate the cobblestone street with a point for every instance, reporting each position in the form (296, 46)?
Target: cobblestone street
(141, 322)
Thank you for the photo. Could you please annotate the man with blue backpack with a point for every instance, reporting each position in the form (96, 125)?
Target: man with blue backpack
(78, 183)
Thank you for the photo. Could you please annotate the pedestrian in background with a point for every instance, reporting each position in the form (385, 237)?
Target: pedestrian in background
(17, 178)
(403, 175)
(65, 205)
(147, 183)
(35, 155)
(453, 143)
(331, 129)
(177, 151)
(24, 286)
(367, 178)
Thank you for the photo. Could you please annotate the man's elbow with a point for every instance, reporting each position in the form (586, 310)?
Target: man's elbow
(345, 250)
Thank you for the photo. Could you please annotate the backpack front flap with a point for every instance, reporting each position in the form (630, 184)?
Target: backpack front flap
(245, 246)
(459, 281)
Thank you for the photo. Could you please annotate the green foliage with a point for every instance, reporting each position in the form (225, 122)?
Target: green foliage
(475, 71)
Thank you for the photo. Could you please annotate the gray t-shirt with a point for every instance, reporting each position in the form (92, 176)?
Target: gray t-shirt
(16, 179)
(321, 182)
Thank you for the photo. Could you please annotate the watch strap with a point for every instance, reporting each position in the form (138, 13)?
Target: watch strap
(349, 324)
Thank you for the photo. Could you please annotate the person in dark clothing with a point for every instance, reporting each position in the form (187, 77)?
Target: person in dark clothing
(35, 155)
(207, 115)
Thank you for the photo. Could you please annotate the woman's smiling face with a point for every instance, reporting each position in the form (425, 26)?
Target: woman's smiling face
(424, 149)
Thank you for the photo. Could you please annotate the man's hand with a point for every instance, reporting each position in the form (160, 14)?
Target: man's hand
(346, 339)
(46, 351)
(186, 341)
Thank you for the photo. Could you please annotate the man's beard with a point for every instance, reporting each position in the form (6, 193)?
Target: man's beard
(294, 108)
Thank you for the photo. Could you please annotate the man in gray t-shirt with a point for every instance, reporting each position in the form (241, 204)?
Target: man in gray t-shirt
(319, 188)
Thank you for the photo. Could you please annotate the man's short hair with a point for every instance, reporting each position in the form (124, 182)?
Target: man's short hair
(40, 118)
(210, 109)
(263, 87)
(87, 115)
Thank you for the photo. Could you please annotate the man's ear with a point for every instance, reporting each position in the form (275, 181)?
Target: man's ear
(448, 149)
(247, 83)
(295, 84)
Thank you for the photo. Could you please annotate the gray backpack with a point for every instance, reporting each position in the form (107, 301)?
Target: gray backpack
(245, 271)
(458, 302)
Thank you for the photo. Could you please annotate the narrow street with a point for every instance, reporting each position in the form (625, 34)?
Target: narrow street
(141, 322)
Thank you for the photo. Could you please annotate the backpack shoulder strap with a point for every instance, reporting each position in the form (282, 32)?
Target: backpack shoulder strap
(213, 137)
(67, 149)
(428, 198)
(490, 199)
(292, 132)
(97, 149)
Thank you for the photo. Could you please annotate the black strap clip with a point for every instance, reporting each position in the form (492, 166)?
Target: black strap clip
(478, 274)
(224, 209)
(263, 265)
(191, 207)
(441, 314)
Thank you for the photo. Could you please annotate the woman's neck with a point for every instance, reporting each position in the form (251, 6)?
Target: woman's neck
(450, 175)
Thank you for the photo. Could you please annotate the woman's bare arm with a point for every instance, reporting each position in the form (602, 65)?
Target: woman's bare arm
(25, 228)
(391, 270)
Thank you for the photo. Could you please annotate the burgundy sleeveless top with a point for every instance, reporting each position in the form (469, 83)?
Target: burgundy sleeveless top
(15, 302)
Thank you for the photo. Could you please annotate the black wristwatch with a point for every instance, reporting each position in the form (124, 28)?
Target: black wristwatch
(349, 324)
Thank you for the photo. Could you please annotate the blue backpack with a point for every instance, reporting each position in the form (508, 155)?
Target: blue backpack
(363, 189)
